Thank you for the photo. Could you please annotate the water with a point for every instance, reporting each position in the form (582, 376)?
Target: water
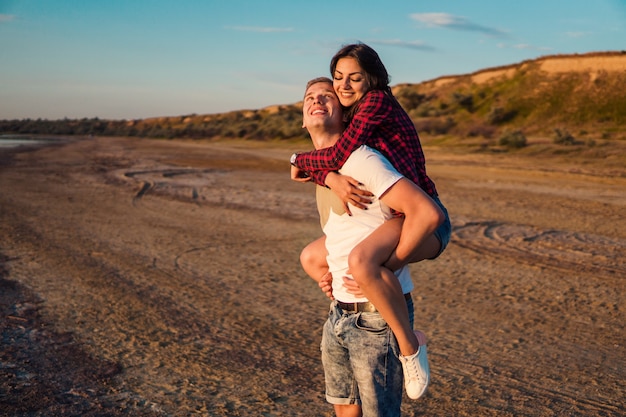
(13, 141)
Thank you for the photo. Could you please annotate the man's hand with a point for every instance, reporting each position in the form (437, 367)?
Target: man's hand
(299, 175)
(349, 191)
(326, 285)
(352, 287)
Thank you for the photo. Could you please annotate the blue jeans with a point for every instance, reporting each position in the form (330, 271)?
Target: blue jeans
(361, 365)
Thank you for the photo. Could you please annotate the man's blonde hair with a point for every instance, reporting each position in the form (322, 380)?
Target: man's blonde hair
(317, 80)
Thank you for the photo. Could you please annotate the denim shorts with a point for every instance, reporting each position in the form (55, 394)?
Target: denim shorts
(360, 359)
(444, 231)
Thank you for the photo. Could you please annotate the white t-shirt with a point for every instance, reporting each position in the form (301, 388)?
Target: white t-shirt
(344, 232)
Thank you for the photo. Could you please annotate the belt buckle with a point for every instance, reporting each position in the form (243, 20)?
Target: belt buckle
(368, 307)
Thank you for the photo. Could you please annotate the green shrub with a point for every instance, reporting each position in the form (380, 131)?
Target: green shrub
(498, 115)
(513, 140)
(409, 99)
(564, 138)
(465, 101)
(435, 126)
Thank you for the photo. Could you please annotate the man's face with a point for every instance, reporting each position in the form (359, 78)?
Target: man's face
(321, 107)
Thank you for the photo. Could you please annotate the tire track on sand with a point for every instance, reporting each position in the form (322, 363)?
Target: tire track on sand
(557, 249)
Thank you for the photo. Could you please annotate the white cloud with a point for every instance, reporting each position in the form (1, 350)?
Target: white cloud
(445, 20)
(525, 46)
(576, 34)
(258, 29)
(434, 19)
(419, 45)
(6, 18)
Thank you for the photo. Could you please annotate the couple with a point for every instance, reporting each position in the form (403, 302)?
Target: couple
(363, 356)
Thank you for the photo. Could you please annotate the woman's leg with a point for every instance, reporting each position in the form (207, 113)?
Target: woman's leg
(429, 249)
(380, 285)
(435, 243)
(313, 258)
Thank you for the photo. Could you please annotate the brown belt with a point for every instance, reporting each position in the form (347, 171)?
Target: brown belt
(364, 307)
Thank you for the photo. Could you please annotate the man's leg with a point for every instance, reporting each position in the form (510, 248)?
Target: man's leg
(374, 359)
(341, 388)
(351, 410)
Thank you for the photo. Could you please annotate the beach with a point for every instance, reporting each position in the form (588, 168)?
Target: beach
(161, 278)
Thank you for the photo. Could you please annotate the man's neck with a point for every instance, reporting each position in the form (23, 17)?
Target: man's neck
(324, 139)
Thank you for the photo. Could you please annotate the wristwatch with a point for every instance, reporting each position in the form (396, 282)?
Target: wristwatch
(292, 160)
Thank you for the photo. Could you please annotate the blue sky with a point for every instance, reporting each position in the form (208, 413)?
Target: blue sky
(128, 59)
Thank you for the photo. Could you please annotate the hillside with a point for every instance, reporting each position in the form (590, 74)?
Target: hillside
(584, 95)
(563, 99)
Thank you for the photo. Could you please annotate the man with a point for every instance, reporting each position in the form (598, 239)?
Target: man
(360, 355)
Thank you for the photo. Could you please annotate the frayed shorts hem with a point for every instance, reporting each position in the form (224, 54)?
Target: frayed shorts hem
(343, 401)
(444, 231)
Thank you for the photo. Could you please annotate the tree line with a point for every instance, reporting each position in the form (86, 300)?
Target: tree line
(285, 123)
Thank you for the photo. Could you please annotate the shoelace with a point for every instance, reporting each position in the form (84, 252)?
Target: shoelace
(411, 366)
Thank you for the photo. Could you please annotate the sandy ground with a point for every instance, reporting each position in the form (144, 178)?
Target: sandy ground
(161, 278)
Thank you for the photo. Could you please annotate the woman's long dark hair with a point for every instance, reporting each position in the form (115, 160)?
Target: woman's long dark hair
(375, 72)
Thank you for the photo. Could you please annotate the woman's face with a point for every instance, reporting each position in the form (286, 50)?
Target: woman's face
(349, 81)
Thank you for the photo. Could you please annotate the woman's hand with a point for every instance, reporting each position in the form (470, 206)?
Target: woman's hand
(349, 191)
(298, 175)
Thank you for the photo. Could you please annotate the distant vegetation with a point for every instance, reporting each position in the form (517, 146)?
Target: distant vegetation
(582, 103)
(281, 122)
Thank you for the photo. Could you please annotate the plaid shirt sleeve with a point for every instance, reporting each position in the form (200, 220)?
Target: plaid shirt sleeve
(371, 112)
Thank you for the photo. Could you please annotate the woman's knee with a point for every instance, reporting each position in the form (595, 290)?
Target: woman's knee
(314, 255)
(306, 256)
(361, 265)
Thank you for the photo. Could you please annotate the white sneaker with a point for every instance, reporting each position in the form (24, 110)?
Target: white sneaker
(416, 369)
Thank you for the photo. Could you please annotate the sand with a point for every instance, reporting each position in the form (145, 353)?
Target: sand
(161, 278)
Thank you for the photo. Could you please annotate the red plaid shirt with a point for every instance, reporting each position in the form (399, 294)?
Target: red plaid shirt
(381, 123)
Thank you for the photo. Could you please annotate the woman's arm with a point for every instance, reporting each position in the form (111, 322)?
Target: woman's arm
(373, 109)
(349, 190)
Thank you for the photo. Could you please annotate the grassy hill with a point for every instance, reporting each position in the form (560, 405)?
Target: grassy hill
(580, 95)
